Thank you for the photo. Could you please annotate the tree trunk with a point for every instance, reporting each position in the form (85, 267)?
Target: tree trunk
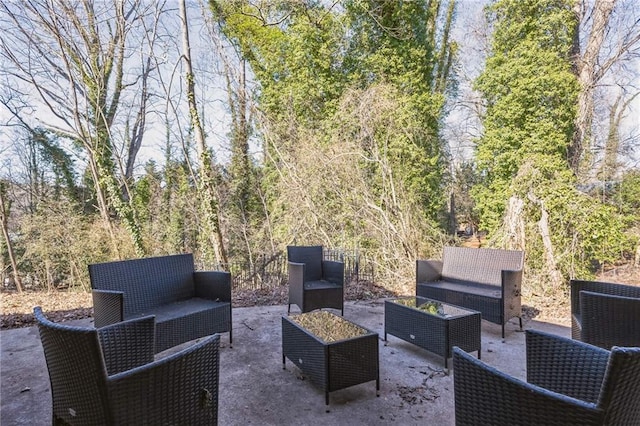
(4, 223)
(543, 225)
(589, 71)
(139, 126)
(206, 181)
(514, 233)
(102, 202)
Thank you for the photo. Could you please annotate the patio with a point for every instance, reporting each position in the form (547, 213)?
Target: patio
(254, 389)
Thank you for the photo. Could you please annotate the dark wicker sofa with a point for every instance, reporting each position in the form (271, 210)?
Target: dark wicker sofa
(568, 383)
(605, 314)
(187, 304)
(485, 280)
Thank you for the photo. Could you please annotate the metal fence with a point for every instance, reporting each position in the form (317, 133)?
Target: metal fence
(357, 266)
(265, 271)
(270, 270)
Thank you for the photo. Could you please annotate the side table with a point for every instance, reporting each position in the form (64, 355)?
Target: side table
(433, 325)
(333, 352)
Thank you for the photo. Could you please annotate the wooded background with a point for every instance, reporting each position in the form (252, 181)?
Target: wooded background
(382, 128)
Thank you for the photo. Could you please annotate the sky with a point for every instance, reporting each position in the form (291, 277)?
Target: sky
(461, 127)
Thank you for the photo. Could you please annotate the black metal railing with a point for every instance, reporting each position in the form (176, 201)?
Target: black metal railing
(357, 266)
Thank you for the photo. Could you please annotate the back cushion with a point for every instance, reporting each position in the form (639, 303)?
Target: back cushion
(147, 282)
(614, 289)
(603, 287)
(479, 265)
(311, 256)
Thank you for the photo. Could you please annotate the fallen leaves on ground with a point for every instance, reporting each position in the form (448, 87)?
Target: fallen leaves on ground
(17, 308)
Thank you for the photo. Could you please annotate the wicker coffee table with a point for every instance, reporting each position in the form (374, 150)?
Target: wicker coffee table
(432, 325)
(333, 352)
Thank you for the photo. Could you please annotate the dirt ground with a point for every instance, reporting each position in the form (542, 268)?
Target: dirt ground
(16, 309)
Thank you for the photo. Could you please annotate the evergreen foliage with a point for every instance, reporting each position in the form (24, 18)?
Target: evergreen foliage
(531, 95)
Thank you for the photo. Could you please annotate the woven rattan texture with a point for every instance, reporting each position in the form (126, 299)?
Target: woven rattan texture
(331, 366)
(432, 332)
(482, 266)
(187, 304)
(484, 280)
(605, 314)
(87, 387)
(314, 283)
(569, 383)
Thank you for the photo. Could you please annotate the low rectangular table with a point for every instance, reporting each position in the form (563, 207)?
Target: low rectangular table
(433, 325)
(333, 352)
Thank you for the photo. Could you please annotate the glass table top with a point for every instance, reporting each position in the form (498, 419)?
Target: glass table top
(327, 326)
(433, 307)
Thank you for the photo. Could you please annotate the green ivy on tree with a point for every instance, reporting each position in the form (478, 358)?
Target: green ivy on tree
(530, 95)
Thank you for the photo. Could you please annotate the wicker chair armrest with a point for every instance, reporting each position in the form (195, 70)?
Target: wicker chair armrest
(333, 271)
(213, 285)
(296, 273)
(108, 307)
(565, 366)
(428, 270)
(486, 396)
(296, 282)
(181, 388)
(575, 288)
(610, 320)
(128, 344)
(512, 278)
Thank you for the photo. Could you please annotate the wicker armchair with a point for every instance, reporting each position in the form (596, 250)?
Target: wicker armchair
(314, 283)
(605, 314)
(108, 376)
(568, 383)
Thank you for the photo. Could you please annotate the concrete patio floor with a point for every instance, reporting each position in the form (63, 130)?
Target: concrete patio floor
(255, 390)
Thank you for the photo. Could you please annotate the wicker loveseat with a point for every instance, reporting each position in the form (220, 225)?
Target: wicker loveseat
(605, 314)
(568, 383)
(108, 376)
(485, 280)
(187, 304)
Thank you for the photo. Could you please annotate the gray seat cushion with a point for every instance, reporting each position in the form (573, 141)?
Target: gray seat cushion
(477, 289)
(321, 284)
(182, 308)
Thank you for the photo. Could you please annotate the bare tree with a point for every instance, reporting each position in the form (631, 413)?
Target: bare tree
(611, 34)
(613, 145)
(240, 205)
(75, 58)
(5, 207)
(206, 178)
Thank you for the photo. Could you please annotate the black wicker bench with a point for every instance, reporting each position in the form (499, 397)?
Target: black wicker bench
(605, 314)
(484, 280)
(187, 304)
